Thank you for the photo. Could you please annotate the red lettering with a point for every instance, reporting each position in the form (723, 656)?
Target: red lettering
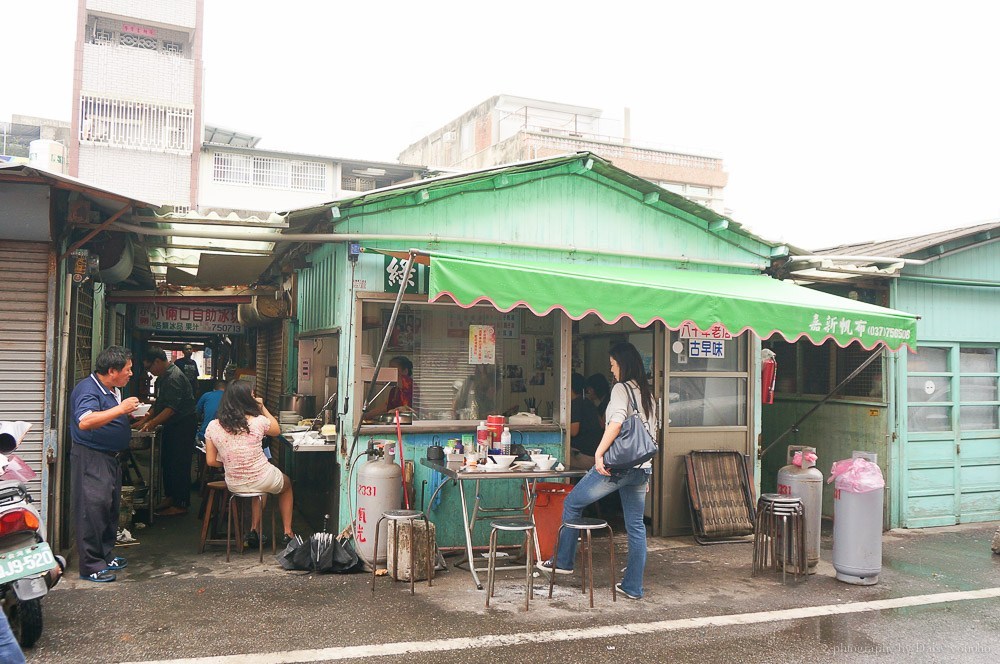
(784, 490)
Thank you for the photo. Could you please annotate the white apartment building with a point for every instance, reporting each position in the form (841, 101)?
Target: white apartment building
(235, 174)
(506, 129)
(137, 98)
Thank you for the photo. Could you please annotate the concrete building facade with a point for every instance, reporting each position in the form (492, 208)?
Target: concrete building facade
(506, 129)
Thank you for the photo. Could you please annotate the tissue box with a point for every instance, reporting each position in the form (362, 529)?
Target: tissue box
(523, 418)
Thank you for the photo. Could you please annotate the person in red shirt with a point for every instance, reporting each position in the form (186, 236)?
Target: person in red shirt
(401, 394)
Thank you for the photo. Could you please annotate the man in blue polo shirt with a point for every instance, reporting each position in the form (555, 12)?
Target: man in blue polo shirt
(100, 430)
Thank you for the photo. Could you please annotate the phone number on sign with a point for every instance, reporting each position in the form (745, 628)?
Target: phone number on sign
(889, 332)
(22, 561)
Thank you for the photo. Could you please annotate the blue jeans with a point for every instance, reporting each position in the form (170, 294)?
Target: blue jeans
(631, 487)
(9, 650)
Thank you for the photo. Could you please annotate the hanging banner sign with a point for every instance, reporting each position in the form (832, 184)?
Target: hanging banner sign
(204, 319)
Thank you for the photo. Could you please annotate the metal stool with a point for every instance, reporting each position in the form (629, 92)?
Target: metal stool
(211, 489)
(517, 526)
(259, 497)
(409, 516)
(586, 526)
(779, 536)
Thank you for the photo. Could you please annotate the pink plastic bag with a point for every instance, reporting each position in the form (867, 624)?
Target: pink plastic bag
(16, 469)
(856, 475)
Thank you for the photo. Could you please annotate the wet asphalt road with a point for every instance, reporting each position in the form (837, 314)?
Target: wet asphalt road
(172, 603)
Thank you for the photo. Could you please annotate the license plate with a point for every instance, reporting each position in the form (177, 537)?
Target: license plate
(30, 560)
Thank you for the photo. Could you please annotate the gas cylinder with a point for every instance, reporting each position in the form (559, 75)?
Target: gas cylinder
(801, 479)
(380, 488)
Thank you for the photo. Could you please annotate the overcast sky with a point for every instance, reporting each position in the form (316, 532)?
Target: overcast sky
(837, 122)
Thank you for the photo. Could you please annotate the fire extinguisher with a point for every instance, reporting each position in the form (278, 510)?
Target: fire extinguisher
(768, 374)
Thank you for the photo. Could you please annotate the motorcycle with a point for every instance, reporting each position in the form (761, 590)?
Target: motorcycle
(28, 568)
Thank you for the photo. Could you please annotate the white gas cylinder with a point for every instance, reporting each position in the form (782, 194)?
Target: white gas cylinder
(380, 489)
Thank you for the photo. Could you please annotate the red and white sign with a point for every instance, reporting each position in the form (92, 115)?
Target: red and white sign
(205, 319)
(138, 30)
(690, 331)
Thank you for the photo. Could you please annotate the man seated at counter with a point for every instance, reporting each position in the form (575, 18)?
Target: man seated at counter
(585, 427)
(476, 395)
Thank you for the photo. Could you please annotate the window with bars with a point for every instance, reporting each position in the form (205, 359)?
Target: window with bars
(808, 369)
(136, 124)
(268, 172)
(352, 183)
(173, 47)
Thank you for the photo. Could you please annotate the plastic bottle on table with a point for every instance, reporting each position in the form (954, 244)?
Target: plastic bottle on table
(505, 441)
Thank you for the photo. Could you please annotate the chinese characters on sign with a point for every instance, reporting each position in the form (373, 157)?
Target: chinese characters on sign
(690, 331)
(704, 348)
(510, 325)
(860, 328)
(188, 318)
(707, 344)
(482, 344)
(395, 268)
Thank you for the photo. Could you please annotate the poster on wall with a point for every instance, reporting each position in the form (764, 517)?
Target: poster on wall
(482, 344)
(201, 318)
(510, 325)
(405, 334)
(544, 348)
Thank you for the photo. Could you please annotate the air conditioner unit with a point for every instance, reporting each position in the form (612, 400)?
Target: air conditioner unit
(448, 137)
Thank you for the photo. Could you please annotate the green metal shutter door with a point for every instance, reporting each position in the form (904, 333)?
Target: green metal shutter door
(24, 282)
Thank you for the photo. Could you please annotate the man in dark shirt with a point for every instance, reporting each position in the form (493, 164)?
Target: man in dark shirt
(585, 428)
(100, 431)
(189, 367)
(174, 409)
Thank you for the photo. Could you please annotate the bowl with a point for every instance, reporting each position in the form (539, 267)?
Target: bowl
(544, 461)
(501, 460)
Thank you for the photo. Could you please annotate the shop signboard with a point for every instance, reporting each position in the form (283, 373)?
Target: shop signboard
(198, 318)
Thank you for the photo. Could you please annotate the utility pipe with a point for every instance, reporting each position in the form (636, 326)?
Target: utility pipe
(951, 281)
(59, 400)
(363, 237)
(869, 259)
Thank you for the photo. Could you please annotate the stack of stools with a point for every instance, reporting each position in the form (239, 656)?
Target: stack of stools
(409, 516)
(779, 536)
(234, 515)
(585, 526)
(527, 527)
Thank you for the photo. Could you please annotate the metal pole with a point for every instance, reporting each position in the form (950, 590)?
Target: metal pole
(366, 404)
(795, 427)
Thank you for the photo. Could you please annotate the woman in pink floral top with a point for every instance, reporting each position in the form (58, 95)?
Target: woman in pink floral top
(234, 442)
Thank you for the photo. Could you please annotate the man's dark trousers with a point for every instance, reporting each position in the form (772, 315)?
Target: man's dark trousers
(178, 447)
(96, 493)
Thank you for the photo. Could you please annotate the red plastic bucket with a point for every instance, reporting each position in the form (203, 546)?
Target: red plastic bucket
(549, 497)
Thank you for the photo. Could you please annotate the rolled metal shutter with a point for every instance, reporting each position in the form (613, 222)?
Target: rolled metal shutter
(25, 269)
(271, 364)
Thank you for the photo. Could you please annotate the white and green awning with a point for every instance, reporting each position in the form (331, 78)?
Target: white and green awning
(674, 297)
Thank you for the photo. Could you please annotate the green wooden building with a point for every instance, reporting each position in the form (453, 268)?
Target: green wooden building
(554, 260)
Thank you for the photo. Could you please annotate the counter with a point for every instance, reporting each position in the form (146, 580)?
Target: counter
(315, 479)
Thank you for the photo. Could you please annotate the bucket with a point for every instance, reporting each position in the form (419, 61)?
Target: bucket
(549, 497)
(125, 507)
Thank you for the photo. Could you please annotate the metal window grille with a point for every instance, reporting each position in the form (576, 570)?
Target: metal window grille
(103, 36)
(231, 168)
(352, 183)
(866, 384)
(308, 176)
(268, 172)
(135, 124)
(173, 47)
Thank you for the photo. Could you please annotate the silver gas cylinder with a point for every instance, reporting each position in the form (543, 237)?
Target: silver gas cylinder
(380, 488)
(805, 483)
(857, 530)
